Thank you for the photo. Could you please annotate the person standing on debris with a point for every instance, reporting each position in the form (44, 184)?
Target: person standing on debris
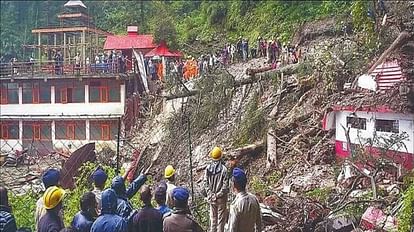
(7, 220)
(124, 208)
(83, 220)
(109, 221)
(245, 209)
(181, 219)
(51, 221)
(147, 219)
(99, 178)
(239, 48)
(50, 178)
(269, 51)
(217, 187)
(159, 196)
(169, 175)
(152, 70)
(244, 50)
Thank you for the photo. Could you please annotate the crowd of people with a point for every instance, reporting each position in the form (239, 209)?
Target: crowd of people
(110, 209)
(273, 50)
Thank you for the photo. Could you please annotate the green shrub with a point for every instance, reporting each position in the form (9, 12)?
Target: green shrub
(406, 214)
(253, 124)
(319, 194)
(23, 208)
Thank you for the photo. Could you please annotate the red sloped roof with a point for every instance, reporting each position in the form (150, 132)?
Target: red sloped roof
(129, 41)
(162, 50)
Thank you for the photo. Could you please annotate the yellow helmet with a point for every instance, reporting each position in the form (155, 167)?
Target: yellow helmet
(169, 171)
(53, 196)
(216, 153)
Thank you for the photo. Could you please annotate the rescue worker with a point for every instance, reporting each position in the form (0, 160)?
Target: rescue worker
(245, 209)
(216, 184)
(124, 207)
(169, 175)
(147, 219)
(99, 178)
(7, 220)
(51, 221)
(83, 220)
(50, 178)
(181, 219)
(159, 196)
(109, 221)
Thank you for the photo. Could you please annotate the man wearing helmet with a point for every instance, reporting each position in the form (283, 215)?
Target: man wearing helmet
(51, 221)
(169, 175)
(216, 184)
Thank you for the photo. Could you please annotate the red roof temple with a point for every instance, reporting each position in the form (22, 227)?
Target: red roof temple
(130, 41)
(162, 50)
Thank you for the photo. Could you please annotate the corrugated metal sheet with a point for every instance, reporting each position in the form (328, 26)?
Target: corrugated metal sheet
(71, 167)
(387, 74)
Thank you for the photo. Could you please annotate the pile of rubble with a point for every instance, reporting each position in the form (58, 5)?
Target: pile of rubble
(352, 203)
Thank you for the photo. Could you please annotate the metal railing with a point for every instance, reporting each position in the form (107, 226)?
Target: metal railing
(54, 68)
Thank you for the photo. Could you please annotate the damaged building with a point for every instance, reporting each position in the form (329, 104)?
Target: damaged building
(378, 111)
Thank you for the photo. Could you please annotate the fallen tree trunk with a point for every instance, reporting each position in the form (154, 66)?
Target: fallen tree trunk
(181, 95)
(271, 154)
(402, 38)
(287, 70)
(250, 149)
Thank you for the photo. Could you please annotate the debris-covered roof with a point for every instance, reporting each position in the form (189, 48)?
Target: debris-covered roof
(389, 101)
(394, 75)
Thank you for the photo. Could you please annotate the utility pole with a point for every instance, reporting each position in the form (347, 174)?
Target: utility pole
(190, 153)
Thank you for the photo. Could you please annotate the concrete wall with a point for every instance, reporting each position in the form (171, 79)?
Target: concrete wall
(406, 124)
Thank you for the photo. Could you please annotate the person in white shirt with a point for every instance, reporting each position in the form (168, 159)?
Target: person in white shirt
(99, 178)
(169, 175)
(245, 213)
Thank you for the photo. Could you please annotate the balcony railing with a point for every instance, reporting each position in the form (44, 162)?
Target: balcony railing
(53, 68)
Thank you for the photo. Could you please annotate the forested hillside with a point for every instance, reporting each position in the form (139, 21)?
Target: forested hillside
(180, 22)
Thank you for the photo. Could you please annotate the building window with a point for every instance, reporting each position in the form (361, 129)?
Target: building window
(69, 92)
(356, 123)
(9, 93)
(70, 130)
(37, 131)
(104, 91)
(103, 130)
(34, 93)
(387, 125)
(9, 130)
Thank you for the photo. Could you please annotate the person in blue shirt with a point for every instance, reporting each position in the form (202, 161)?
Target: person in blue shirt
(160, 195)
(7, 220)
(83, 220)
(147, 219)
(124, 207)
(109, 221)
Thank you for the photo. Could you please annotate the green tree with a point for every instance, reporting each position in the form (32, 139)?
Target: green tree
(162, 25)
